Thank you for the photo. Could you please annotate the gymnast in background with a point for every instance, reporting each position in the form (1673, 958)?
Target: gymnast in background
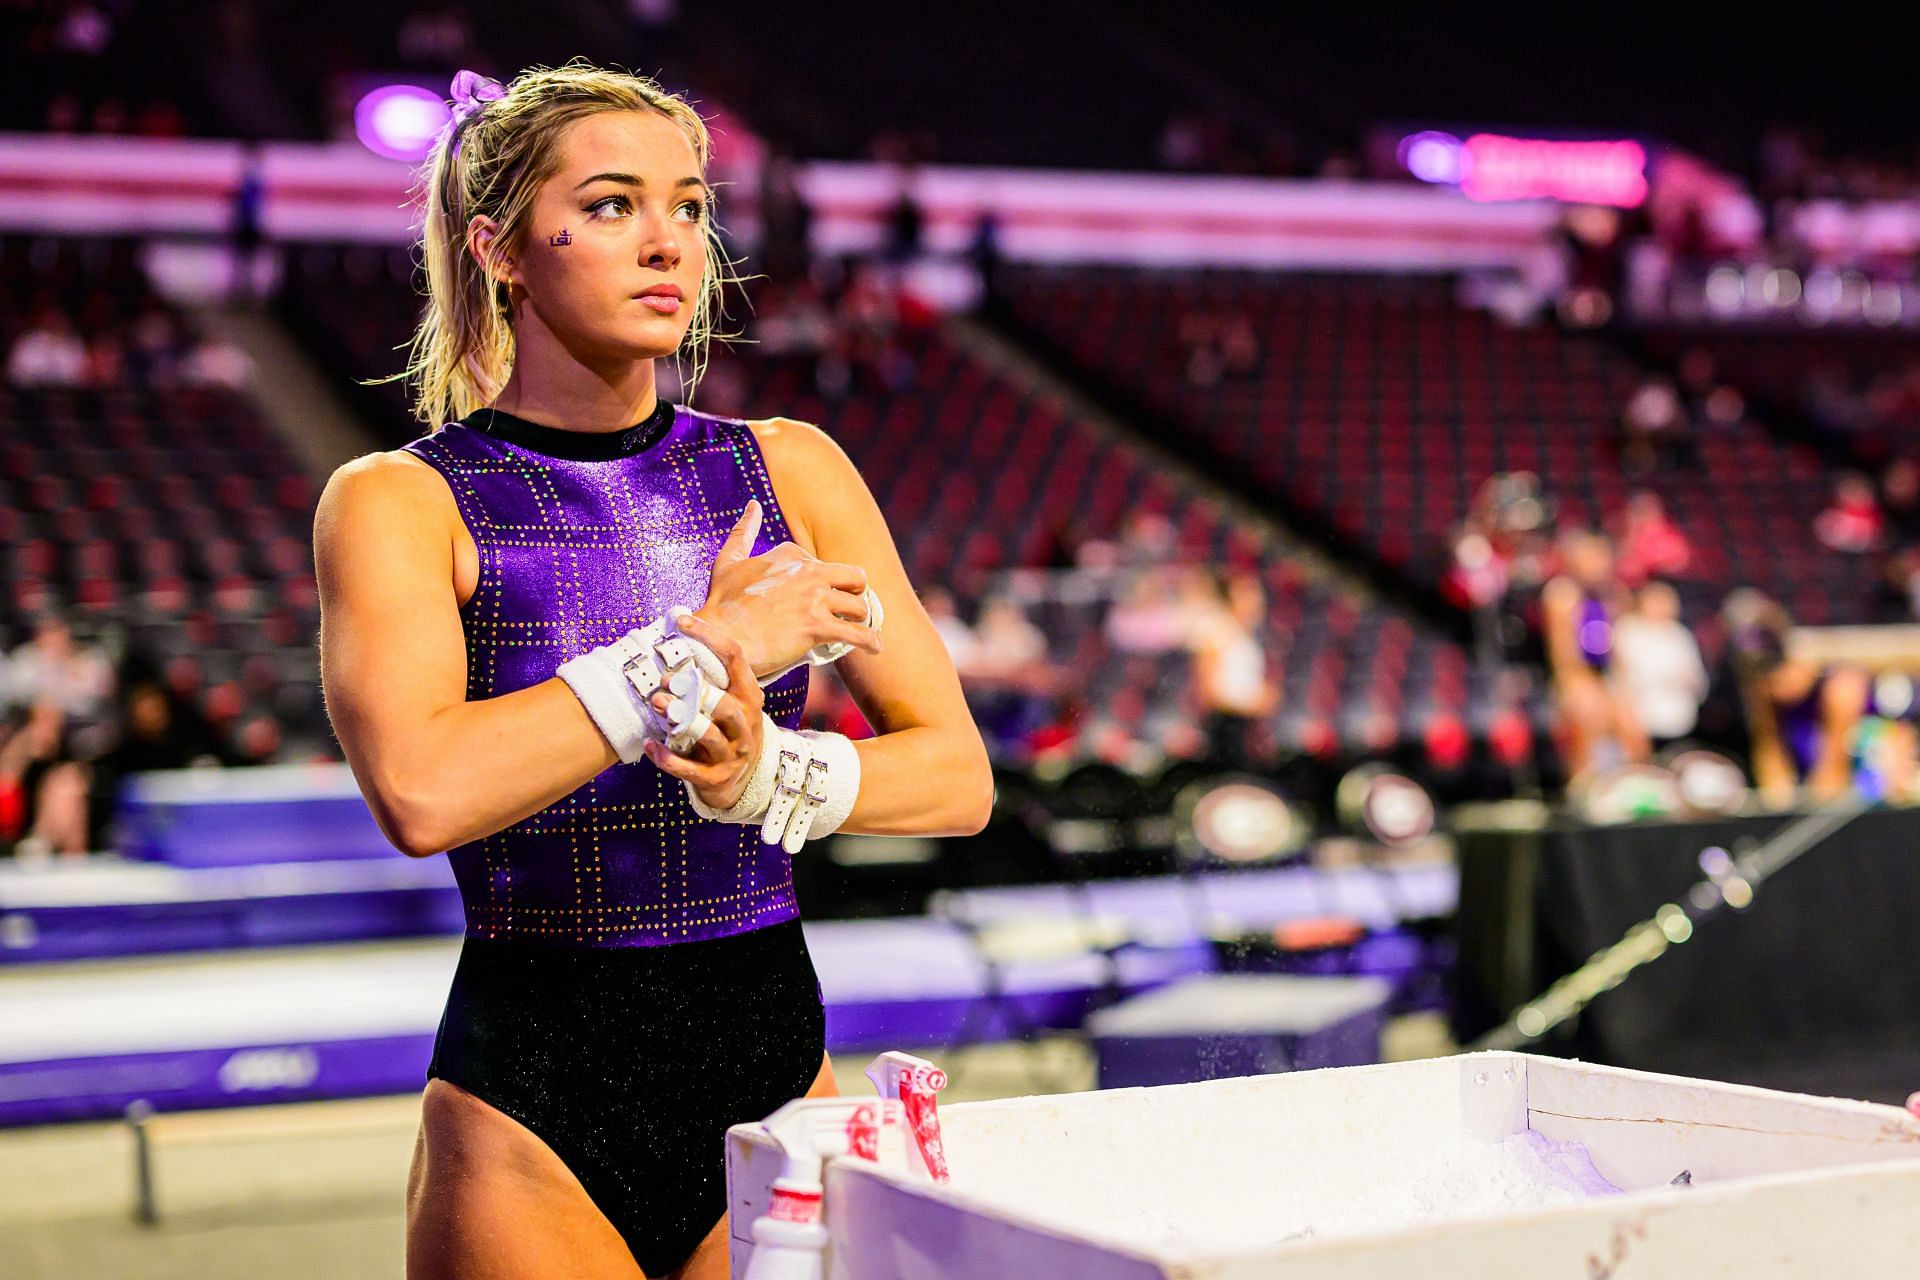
(565, 639)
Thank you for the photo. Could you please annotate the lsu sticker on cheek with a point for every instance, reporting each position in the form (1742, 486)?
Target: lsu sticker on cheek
(562, 238)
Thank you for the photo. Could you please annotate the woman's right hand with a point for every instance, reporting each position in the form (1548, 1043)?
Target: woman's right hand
(781, 604)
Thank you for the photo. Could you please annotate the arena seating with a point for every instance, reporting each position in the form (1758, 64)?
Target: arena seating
(164, 513)
(1822, 380)
(1379, 404)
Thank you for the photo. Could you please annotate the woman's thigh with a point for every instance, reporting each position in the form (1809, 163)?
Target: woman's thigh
(487, 1199)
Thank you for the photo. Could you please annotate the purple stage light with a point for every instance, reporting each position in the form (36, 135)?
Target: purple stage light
(400, 121)
(1432, 157)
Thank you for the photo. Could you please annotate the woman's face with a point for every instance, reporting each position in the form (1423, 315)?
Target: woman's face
(625, 212)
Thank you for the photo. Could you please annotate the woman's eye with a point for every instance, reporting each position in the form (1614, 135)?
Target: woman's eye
(699, 208)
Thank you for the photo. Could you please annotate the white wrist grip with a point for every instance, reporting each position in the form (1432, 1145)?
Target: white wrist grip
(803, 786)
(616, 681)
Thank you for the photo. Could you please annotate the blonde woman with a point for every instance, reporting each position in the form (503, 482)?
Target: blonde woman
(499, 596)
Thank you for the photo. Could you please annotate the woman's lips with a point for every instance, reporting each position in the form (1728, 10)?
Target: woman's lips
(665, 303)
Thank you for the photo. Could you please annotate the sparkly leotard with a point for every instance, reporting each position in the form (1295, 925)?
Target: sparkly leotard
(633, 978)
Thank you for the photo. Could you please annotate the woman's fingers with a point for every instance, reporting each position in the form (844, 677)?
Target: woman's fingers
(859, 635)
(850, 578)
(730, 720)
(846, 604)
(741, 683)
(707, 777)
(726, 732)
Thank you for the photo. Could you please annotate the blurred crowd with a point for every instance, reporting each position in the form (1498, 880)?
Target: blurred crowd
(75, 721)
(1628, 681)
(103, 347)
(841, 320)
(1202, 628)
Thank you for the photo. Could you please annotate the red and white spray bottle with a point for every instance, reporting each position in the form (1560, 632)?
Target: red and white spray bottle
(916, 1083)
(790, 1240)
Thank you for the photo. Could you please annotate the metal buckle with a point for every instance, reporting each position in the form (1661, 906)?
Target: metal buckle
(650, 678)
(789, 778)
(817, 782)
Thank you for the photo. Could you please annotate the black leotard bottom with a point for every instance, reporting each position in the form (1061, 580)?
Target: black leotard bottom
(631, 1063)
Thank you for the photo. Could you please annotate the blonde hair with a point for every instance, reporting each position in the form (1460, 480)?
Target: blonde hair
(493, 163)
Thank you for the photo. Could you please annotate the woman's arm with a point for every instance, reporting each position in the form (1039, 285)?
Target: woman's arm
(927, 772)
(436, 770)
(1559, 603)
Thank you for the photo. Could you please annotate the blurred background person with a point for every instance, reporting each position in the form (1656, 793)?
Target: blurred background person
(1225, 614)
(1580, 609)
(1657, 670)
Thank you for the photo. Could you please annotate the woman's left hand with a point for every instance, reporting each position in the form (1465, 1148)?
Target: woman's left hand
(721, 762)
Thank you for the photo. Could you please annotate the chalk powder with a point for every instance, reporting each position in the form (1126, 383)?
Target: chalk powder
(1517, 1174)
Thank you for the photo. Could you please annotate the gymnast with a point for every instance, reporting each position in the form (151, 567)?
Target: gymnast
(566, 638)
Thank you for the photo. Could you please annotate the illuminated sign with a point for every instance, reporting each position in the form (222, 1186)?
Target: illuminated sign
(1492, 166)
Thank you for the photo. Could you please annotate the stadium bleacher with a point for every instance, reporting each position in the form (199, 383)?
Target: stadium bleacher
(157, 506)
(1380, 404)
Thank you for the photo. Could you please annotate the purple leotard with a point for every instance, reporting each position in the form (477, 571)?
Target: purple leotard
(1593, 630)
(575, 551)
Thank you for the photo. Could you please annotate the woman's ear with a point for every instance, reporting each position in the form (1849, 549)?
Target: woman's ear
(481, 234)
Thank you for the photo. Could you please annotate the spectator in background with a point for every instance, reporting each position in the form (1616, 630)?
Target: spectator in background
(1706, 398)
(1896, 597)
(905, 220)
(156, 731)
(1800, 713)
(1230, 663)
(1900, 499)
(1852, 521)
(44, 787)
(1009, 683)
(154, 356)
(48, 354)
(1009, 644)
(962, 645)
(1591, 243)
(1580, 608)
(215, 362)
(984, 252)
(1654, 432)
(1657, 668)
(1149, 617)
(258, 740)
(52, 669)
(1651, 545)
(1218, 346)
(786, 219)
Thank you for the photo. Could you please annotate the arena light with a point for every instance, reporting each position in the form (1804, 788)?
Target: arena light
(1710, 784)
(400, 121)
(1495, 166)
(1238, 820)
(1386, 804)
(1432, 156)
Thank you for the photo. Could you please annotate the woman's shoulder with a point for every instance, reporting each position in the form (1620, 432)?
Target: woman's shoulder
(806, 465)
(795, 445)
(386, 485)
